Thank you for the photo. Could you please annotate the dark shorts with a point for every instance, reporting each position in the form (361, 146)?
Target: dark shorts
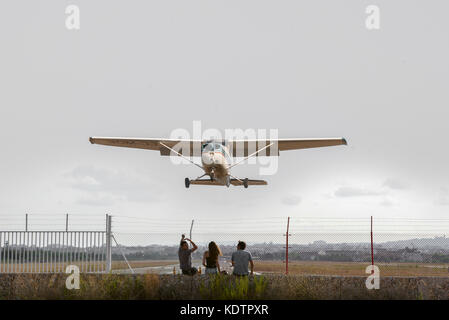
(190, 272)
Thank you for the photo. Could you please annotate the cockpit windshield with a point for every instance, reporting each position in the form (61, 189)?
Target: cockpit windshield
(211, 146)
(207, 147)
(216, 147)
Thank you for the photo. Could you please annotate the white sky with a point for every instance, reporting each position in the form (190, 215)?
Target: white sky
(144, 68)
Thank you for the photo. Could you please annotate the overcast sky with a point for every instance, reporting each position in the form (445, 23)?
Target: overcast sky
(144, 68)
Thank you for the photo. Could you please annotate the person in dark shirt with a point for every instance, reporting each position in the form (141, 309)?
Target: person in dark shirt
(185, 256)
(210, 259)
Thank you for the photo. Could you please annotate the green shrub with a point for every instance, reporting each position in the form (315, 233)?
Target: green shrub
(222, 287)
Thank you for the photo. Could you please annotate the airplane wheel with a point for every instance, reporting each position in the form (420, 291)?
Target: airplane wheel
(245, 182)
(228, 181)
(187, 182)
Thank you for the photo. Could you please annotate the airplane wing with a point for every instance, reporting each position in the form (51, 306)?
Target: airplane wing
(238, 148)
(293, 144)
(244, 148)
(181, 146)
(234, 182)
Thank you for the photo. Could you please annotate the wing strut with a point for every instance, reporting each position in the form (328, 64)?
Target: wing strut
(192, 162)
(252, 154)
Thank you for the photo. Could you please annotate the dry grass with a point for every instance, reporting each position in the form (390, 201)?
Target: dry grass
(116, 265)
(150, 286)
(52, 286)
(92, 267)
(51, 267)
(352, 268)
(295, 267)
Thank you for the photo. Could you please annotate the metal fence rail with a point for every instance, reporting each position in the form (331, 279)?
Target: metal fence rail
(52, 251)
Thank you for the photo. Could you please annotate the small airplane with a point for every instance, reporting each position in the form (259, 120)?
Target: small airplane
(216, 155)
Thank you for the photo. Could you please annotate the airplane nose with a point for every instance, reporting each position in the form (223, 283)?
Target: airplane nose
(208, 158)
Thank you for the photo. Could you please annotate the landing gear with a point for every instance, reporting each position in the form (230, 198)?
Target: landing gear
(245, 183)
(187, 182)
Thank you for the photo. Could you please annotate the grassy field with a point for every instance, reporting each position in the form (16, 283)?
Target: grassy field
(352, 268)
(295, 267)
(97, 266)
(47, 267)
(116, 265)
(320, 267)
(324, 268)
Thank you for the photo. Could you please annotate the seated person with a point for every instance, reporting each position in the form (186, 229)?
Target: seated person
(185, 256)
(240, 260)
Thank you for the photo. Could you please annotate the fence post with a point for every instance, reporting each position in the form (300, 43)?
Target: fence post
(372, 245)
(286, 245)
(66, 222)
(108, 244)
(26, 222)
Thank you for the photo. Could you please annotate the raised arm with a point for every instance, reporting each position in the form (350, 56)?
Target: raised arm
(193, 244)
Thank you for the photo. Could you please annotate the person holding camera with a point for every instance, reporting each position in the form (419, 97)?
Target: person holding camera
(185, 256)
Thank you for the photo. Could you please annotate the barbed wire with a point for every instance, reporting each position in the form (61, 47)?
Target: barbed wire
(303, 224)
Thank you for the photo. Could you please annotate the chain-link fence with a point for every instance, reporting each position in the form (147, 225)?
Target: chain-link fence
(315, 245)
(311, 241)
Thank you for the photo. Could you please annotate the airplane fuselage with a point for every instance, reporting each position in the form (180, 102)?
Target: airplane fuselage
(216, 159)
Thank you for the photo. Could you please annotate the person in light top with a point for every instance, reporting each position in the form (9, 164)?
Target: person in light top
(240, 260)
